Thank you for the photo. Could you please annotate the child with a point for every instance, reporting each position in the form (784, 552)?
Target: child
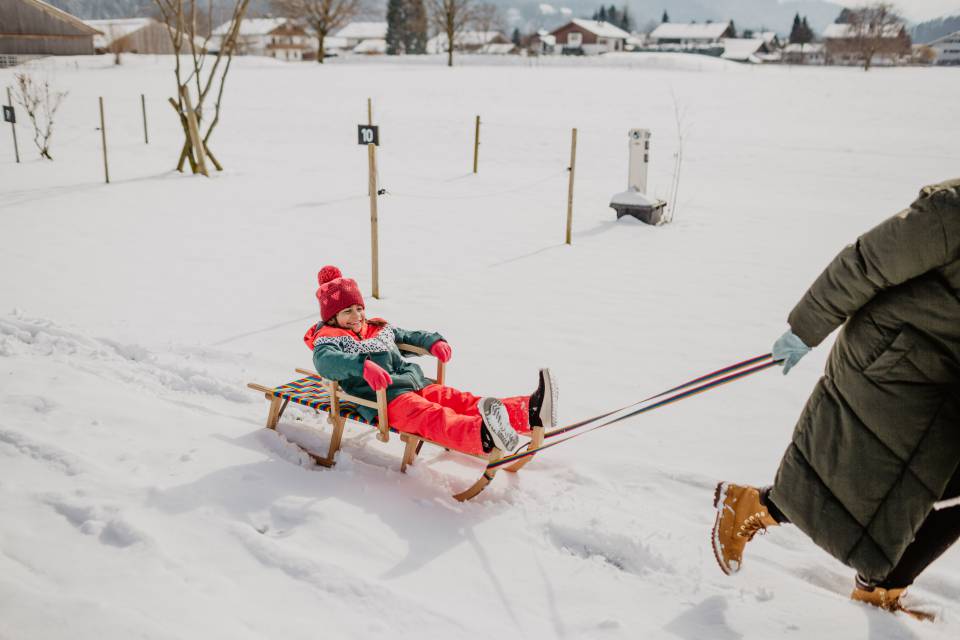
(362, 355)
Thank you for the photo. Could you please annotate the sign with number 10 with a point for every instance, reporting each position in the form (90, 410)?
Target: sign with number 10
(368, 134)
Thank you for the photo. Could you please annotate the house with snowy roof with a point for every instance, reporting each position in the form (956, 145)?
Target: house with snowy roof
(947, 49)
(843, 44)
(590, 37)
(752, 50)
(356, 32)
(489, 42)
(693, 35)
(252, 38)
(810, 53)
(35, 28)
(133, 35)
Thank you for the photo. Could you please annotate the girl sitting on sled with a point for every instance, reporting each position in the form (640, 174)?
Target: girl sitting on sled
(362, 355)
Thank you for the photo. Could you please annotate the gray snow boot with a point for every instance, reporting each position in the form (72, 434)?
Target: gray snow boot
(496, 426)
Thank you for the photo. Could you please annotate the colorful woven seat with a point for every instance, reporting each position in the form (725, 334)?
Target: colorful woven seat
(310, 392)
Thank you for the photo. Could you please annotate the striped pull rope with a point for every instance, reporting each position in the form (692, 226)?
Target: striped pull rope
(686, 390)
(709, 376)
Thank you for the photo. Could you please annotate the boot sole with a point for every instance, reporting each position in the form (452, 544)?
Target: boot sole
(494, 415)
(550, 381)
(719, 495)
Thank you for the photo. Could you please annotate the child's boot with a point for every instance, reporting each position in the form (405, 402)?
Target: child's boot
(496, 430)
(543, 402)
(886, 599)
(740, 516)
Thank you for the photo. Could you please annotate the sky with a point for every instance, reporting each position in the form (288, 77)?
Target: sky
(917, 10)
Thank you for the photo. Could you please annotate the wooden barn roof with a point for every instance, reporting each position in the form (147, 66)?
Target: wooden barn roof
(60, 14)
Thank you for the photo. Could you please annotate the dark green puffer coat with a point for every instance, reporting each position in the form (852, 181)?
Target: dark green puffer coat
(339, 355)
(880, 436)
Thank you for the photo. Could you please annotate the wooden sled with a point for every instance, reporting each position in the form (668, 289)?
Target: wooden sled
(326, 396)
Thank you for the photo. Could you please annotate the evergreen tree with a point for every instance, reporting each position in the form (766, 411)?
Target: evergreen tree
(626, 22)
(515, 38)
(796, 30)
(666, 16)
(417, 23)
(613, 16)
(806, 31)
(600, 14)
(733, 30)
(396, 26)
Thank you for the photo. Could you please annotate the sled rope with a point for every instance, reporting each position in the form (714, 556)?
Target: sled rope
(681, 392)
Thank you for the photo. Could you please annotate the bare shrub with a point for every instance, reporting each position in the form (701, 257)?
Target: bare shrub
(40, 103)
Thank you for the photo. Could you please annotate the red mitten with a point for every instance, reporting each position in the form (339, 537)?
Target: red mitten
(441, 350)
(376, 376)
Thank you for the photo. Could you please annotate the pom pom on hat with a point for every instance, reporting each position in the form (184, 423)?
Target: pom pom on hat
(328, 273)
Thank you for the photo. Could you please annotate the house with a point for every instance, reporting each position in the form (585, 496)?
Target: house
(812, 53)
(33, 27)
(695, 36)
(492, 42)
(541, 43)
(133, 35)
(356, 32)
(371, 47)
(290, 42)
(947, 49)
(252, 38)
(581, 36)
(753, 50)
(843, 45)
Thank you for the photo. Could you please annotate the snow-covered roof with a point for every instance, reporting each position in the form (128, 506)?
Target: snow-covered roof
(334, 42)
(742, 49)
(499, 48)
(115, 29)
(371, 45)
(841, 30)
(813, 47)
(252, 26)
(546, 38)
(949, 38)
(364, 30)
(601, 29)
(766, 36)
(485, 39)
(690, 31)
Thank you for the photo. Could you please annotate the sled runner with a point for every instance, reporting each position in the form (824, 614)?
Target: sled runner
(325, 396)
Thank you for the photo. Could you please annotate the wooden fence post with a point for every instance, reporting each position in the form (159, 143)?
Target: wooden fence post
(476, 144)
(193, 129)
(143, 103)
(13, 128)
(572, 169)
(374, 238)
(103, 139)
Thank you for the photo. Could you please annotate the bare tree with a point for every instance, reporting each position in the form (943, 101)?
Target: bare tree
(40, 105)
(201, 81)
(117, 42)
(487, 18)
(450, 18)
(324, 16)
(876, 29)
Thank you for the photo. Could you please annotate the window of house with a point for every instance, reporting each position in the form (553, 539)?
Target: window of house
(574, 38)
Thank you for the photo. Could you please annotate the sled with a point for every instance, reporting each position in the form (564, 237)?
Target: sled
(326, 396)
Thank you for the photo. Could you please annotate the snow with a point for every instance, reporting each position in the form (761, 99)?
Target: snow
(601, 29)
(689, 31)
(252, 26)
(364, 30)
(141, 496)
(115, 29)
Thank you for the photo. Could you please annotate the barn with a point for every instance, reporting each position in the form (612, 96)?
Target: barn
(33, 27)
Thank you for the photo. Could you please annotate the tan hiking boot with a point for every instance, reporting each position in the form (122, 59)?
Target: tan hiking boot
(886, 599)
(740, 516)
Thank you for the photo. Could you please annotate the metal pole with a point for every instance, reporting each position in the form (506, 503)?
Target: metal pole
(374, 239)
(572, 169)
(13, 128)
(476, 144)
(103, 138)
(143, 103)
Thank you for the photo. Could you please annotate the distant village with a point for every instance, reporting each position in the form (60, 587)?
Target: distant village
(871, 35)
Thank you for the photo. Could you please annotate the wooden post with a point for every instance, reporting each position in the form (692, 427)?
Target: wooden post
(476, 144)
(572, 169)
(13, 128)
(103, 138)
(194, 128)
(374, 240)
(143, 103)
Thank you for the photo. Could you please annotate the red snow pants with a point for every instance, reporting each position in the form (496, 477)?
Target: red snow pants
(449, 417)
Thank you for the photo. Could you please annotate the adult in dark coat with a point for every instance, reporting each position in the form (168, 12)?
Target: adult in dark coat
(878, 442)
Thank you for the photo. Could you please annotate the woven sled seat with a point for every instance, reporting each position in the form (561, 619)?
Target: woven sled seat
(326, 396)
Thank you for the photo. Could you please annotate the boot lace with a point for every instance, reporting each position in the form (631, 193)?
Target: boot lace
(752, 526)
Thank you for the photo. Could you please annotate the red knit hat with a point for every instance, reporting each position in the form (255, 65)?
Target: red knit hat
(336, 293)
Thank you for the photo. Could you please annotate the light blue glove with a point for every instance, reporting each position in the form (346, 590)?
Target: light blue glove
(789, 348)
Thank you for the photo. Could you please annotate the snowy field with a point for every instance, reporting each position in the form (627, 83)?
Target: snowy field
(140, 495)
